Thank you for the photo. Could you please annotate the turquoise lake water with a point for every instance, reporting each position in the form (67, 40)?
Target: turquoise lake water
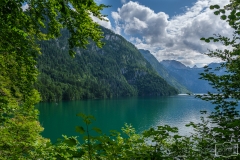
(111, 114)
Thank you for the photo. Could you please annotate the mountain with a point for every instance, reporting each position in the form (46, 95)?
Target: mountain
(116, 70)
(188, 77)
(173, 64)
(163, 72)
(184, 78)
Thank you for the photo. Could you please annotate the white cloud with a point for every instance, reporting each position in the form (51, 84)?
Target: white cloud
(124, 1)
(177, 38)
(25, 7)
(106, 24)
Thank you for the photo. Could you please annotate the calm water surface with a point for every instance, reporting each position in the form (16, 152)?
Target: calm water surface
(111, 114)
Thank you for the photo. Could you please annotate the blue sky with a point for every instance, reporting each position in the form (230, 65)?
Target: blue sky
(169, 29)
(171, 7)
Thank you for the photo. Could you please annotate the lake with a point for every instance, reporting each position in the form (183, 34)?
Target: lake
(111, 114)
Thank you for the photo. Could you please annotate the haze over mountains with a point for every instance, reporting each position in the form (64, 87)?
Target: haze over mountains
(184, 78)
(188, 77)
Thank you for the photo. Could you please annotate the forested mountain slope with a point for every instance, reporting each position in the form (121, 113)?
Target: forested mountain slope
(116, 70)
(163, 72)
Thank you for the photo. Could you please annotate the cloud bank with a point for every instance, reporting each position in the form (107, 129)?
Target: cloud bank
(175, 38)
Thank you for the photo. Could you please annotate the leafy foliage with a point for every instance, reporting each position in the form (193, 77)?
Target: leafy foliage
(19, 30)
(226, 117)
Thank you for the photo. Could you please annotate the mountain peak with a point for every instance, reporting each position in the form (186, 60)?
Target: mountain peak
(194, 66)
(173, 64)
(144, 51)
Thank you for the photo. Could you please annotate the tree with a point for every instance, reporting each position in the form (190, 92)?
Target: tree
(19, 32)
(225, 117)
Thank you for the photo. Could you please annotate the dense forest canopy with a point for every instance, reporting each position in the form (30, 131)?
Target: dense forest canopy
(115, 70)
(19, 31)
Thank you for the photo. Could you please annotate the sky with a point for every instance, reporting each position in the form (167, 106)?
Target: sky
(169, 29)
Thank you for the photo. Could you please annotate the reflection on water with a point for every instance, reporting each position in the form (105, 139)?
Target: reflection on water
(112, 114)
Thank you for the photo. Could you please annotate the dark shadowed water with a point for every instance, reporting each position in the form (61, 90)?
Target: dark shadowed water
(111, 114)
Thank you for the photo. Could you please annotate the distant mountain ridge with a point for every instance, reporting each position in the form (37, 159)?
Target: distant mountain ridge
(173, 64)
(188, 77)
(184, 78)
(116, 70)
(163, 72)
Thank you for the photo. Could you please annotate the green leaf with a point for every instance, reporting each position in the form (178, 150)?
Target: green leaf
(99, 147)
(202, 39)
(72, 53)
(232, 17)
(207, 40)
(233, 12)
(97, 130)
(231, 23)
(85, 138)
(203, 112)
(238, 14)
(71, 141)
(211, 7)
(91, 117)
(216, 6)
(223, 17)
(216, 12)
(177, 136)
(222, 11)
(80, 129)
